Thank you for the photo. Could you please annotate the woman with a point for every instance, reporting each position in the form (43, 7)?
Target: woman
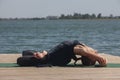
(61, 55)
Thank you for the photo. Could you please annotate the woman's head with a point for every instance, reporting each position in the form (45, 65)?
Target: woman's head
(86, 61)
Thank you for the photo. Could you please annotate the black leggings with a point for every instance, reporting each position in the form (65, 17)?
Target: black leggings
(27, 59)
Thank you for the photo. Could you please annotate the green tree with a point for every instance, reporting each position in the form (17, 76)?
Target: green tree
(62, 16)
(99, 15)
(93, 16)
(76, 16)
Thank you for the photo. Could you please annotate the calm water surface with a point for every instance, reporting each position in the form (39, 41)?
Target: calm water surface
(19, 35)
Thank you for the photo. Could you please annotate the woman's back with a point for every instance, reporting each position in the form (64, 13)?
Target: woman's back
(62, 54)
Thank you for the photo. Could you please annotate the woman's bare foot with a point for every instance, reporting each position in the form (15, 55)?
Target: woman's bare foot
(40, 55)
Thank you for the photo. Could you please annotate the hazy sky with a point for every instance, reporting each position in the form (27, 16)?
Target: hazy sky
(43, 8)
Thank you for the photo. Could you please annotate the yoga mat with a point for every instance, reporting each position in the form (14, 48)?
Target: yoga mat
(9, 65)
(109, 65)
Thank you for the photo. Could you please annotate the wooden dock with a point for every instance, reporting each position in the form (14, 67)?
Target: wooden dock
(57, 73)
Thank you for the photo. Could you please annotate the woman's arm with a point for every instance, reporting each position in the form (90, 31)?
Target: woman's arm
(90, 53)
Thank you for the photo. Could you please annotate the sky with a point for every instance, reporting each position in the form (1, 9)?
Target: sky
(43, 8)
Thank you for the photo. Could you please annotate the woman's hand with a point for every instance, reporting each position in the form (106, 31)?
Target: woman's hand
(102, 61)
(90, 53)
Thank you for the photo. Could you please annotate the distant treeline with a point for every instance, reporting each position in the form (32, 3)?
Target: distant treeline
(87, 16)
(68, 16)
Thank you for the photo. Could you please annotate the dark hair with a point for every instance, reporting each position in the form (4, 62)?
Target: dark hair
(86, 61)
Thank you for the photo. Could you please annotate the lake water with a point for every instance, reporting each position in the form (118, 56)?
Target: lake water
(19, 35)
